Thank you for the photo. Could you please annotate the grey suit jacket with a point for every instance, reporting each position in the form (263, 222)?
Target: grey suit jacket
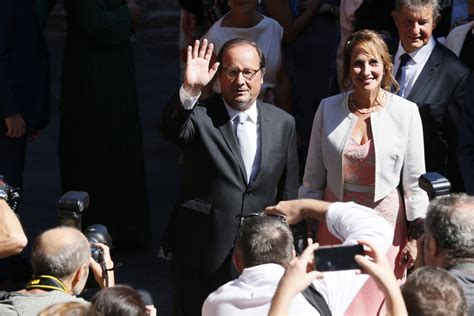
(215, 190)
(439, 92)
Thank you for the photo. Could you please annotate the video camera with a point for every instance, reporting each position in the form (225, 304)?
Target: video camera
(70, 206)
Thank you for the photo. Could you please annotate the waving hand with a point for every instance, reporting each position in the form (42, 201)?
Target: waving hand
(197, 73)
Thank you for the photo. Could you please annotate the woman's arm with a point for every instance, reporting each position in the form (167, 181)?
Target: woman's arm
(314, 179)
(416, 200)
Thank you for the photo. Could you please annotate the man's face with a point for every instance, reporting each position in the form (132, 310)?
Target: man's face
(240, 92)
(414, 27)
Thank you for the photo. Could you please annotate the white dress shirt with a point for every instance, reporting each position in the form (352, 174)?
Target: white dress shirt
(414, 66)
(253, 126)
(252, 292)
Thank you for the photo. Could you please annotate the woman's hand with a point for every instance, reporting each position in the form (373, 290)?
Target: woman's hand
(409, 254)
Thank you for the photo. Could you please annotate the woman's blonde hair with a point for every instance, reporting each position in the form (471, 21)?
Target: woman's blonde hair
(374, 45)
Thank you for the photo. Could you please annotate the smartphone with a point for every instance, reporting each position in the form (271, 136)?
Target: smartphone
(336, 258)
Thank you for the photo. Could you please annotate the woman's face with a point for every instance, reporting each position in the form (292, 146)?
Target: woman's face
(366, 71)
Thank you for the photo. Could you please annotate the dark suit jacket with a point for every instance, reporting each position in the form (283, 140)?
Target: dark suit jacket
(24, 64)
(215, 191)
(466, 139)
(439, 93)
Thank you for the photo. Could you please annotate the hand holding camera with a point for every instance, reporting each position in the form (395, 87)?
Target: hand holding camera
(102, 265)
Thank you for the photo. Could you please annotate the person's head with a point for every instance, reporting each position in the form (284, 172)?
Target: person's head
(367, 65)
(119, 300)
(415, 21)
(67, 309)
(432, 291)
(62, 252)
(241, 70)
(449, 230)
(263, 239)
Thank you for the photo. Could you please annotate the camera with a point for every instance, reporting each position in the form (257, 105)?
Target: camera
(98, 233)
(12, 194)
(70, 206)
(434, 185)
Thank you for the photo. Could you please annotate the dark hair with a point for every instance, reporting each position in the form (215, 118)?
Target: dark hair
(432, 291)
(238, 42)
(374, 45)
(119, 300)
(449, 219)
(265, 239)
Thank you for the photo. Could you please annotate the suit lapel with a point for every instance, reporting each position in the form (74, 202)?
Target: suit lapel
(265, 138)
(225, 126)
(427, 75)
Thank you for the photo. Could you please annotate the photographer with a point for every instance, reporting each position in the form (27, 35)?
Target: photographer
(447, 241)
(265, 247)
(60, 259)
(12, 237)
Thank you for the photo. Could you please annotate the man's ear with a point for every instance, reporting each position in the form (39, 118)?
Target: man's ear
(435, 21)
(395, 17)
(432, 246)
(237, 261)
(263, 74)
(81, 273)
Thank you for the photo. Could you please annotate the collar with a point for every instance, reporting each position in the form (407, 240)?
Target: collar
(268, 273)
(419, 55)
(252, 111)
(463, 265)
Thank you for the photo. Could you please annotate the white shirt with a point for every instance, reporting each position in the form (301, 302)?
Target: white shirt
(252, 128)
(252, 292)
(414, 67)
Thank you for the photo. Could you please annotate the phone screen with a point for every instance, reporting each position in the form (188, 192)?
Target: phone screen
(335, 258)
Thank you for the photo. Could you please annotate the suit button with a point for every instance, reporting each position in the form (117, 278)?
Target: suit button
(247, 194)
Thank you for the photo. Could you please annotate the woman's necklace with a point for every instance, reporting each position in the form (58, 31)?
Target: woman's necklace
(363, 111)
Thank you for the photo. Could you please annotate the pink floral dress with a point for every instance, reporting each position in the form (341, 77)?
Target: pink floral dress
(359, 183)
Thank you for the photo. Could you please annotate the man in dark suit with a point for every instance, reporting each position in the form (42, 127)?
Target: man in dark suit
(24, 84)
(466, 139)
(431, 76)
(239, 157)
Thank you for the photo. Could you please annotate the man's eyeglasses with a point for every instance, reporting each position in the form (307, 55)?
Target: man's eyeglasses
(233, 73)
(279, 217)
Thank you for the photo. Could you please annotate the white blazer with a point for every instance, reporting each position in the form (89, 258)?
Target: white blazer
(398, 141)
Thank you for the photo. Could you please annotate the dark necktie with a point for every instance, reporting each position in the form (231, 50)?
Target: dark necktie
(401, 76)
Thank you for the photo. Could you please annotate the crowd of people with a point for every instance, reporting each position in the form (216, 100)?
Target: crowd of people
(298, 120)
